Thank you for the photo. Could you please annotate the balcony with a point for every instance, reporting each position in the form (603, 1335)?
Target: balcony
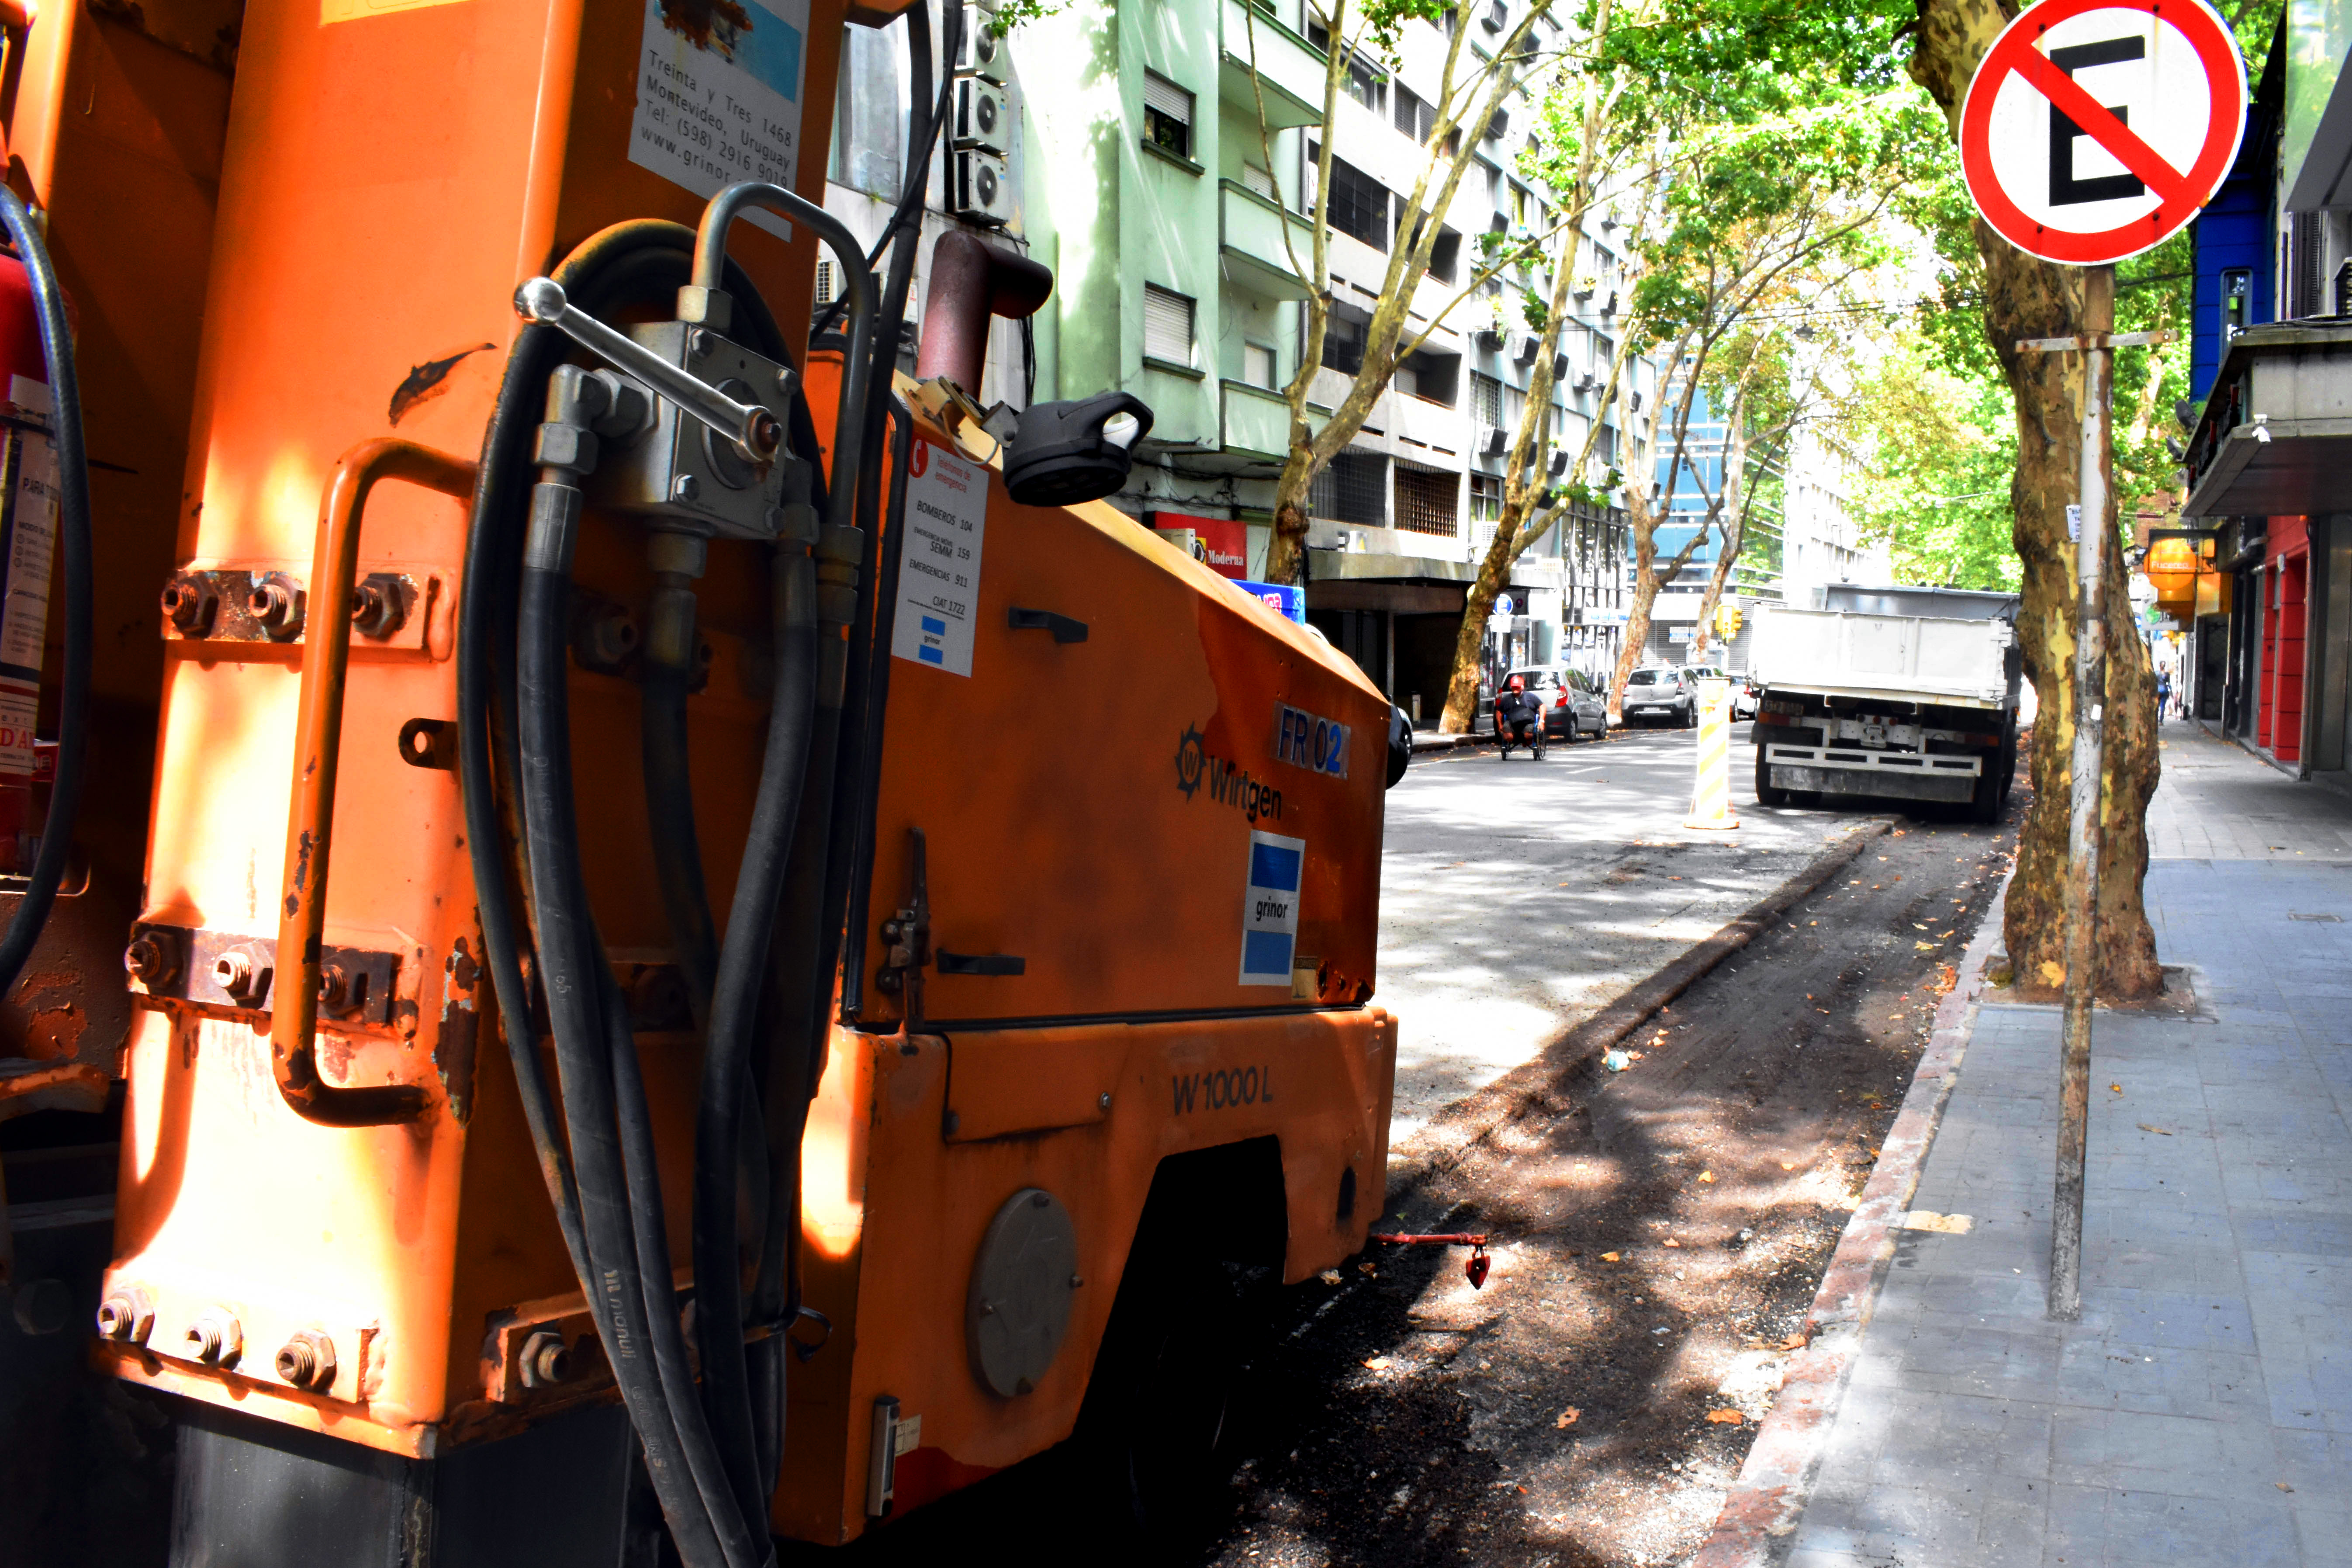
(1289, 68)
(2275, 437)
(1256, 422)
(1255, 255)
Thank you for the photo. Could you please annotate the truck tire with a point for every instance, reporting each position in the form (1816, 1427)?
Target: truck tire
(1984, 805)
(1766, 791)
(2008, 756)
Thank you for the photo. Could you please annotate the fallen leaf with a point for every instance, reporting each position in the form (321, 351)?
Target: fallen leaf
(1725, 1417)
(1330, 1276)
(1925, 946)
(1365, 1267)
(2160, 1131)
(2117, 1087)
(2283, 1486)
(1788, 1164)
(1706, 1176)
(1611, 1257)
(1672, 1241)
(1523, 1491)
(1377, 1364)
(1567, 1416)
(1794, 1342)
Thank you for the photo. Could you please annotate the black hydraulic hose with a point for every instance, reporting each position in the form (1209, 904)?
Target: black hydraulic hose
(875, 709)
(73, 511)
(665, 662)
(734, 1020)
(568, 958)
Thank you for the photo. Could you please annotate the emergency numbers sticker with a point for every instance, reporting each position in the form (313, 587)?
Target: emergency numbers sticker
(1270, 908)
(719, 96)
(28, 542)
(939, 559)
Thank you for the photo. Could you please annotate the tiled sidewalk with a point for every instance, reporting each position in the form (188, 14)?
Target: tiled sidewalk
(2201, 1411)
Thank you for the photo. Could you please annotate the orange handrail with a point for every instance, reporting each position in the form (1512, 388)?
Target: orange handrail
(317, 739)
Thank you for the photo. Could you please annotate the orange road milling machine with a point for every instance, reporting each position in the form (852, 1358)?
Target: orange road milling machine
(716, 947)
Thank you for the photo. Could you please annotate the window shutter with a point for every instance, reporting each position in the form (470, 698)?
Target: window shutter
(1165, 96)
(1167, 325)
(1258, 181)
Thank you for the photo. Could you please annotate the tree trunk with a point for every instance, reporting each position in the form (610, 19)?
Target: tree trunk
(1470, 638)
(1644, 531)
(2025, 297)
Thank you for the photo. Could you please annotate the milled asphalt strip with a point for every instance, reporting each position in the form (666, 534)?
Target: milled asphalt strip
(1758, 1522)
(1450, 1135)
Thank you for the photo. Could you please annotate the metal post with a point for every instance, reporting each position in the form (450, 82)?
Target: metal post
(2083, 827)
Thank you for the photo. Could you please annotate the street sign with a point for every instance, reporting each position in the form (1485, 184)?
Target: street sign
(1503, 606)
(2095, 129)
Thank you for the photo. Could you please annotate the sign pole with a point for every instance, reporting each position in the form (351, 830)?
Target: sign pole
(2085, 771)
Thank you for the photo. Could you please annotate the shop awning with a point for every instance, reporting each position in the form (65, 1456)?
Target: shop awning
(2275, 438)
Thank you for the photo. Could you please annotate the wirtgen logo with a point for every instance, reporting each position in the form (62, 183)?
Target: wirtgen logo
(1230, 784)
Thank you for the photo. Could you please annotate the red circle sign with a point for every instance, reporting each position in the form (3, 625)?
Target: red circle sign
(2095, 129)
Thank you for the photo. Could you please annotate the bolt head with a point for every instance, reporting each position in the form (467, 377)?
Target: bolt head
(1102, 1100)
(686, 488)
(148, 961)
(233, 972)
(698, 343)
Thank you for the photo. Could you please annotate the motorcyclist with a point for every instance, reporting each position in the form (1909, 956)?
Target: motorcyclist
(1519, 717)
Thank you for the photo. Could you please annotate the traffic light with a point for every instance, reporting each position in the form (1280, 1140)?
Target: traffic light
(1726, 620)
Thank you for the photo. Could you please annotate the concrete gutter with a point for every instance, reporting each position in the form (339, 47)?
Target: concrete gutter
(1532, 1087)
(1761, 1514)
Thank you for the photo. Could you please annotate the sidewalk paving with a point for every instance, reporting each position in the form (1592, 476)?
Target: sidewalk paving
(2201, 1410)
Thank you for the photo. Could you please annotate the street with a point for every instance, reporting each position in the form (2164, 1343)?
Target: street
(1659, 1233)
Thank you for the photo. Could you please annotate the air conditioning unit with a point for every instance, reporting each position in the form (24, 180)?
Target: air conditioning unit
(1498, 123)
(1496, 16)
(979, 52)
(983, 191)
(1637, 403)
(1488, 339)
(984, 120)
(1586, 381)
(1558, 464)
(1609, 306)
(1525, 354)
(1499, 223)
(1559, 366)
(1490, 441)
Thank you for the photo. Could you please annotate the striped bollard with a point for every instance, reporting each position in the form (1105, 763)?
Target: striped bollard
(1711, 795)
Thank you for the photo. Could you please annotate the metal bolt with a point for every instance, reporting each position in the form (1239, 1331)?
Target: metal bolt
(1040, 1200)
(218, 1337)
(605, 639)
(190, 604)
(988, 1309)
(233, 972)
(378, 606)
(546, 1359)
(1102, 1100)
(1076, 1280)
(686, 488)
(42, 1306)
(698, 343)
(308, 1360)
(334, 985)
(149, 959)
(766, 434)
(126, 1317)
(784, 377)
(275, 603)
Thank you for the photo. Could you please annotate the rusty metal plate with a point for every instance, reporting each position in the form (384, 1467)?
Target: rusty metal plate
(356, 985)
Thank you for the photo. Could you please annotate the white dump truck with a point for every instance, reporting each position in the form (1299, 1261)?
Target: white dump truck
(1901, 693)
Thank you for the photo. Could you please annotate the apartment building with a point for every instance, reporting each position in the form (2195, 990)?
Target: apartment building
(1158, 155)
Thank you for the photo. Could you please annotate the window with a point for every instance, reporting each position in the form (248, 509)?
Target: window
(1346, 335)
(1428, 501)
(1486, 399)
(1257, 366)
(1167, 325)
(1486, 498)
(1360, 206)
(1444, 256)
(1258, 180)
(1354, 489)
(1365, 84)
(1167, 115)
(1436, 377)
(1415, 116)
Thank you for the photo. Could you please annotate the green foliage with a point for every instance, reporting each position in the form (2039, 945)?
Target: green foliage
(1943, 451)
(1011, 14)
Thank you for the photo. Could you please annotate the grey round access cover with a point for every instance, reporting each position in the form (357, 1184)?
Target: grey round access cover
(1019, 1305)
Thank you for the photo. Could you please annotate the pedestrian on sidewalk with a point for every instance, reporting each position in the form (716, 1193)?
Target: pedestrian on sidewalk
(2163, 693)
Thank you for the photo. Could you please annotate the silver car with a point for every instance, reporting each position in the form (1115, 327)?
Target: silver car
(1662, 694)
(1574, 704)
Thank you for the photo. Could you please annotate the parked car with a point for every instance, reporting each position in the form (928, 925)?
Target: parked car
(1574, 704)
(1743, 693)
(1662, 694)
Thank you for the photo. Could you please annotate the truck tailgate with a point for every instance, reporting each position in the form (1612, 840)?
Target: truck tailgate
(1927, 657)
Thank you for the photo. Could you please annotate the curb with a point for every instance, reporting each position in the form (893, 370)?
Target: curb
(1467, 1123)
(1758, 1522)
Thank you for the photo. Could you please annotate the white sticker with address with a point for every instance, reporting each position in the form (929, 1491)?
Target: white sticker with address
(719, 95)
(1270, 908)
(939, 559)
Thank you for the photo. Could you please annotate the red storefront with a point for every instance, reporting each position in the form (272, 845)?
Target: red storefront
(2286, 594)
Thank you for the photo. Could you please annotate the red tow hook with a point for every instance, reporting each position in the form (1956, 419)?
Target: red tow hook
(1474, 1270)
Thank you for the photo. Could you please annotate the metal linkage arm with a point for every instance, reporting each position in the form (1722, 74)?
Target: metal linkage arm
(757, 433)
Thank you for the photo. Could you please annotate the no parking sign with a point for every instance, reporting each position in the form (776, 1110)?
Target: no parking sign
(2095, 129)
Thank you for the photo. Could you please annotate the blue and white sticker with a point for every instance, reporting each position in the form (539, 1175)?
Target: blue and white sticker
(939, 559)
(1270, 908)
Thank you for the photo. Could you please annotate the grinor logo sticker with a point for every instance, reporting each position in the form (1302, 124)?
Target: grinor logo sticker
(1270, 908)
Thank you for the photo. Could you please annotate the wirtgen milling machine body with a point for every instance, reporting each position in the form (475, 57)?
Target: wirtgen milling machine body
(1029, 869)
